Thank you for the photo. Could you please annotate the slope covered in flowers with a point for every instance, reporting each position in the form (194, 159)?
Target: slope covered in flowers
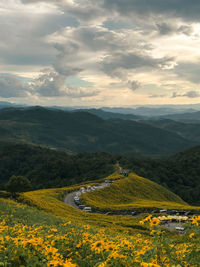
(43, 231)
(134, 192)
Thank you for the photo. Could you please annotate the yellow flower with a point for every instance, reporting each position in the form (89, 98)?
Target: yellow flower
(146, 264)
(98, 246)
(154, 221)
(191, 235)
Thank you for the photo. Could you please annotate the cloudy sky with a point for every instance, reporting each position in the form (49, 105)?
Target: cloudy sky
(100, 52)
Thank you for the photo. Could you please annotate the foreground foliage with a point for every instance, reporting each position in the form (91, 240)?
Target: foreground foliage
(51, 233)
(32, 238)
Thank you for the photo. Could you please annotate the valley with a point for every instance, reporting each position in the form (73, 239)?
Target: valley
(100, 193)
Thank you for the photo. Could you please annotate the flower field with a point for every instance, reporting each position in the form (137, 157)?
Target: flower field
(43, 231)
(134, 192)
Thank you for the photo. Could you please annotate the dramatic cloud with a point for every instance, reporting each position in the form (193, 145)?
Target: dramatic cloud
(190, 94)
(109, 47)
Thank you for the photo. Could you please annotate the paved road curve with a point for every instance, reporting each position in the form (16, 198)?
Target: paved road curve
(69, 198)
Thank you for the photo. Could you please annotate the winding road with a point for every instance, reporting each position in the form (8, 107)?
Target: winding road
(69, 198)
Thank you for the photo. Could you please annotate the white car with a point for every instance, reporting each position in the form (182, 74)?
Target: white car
(76, 198)
(88, 209)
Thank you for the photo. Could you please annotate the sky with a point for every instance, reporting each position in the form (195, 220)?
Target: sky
(100, 52)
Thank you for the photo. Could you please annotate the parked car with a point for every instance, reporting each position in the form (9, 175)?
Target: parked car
(81, 206)
(88, 209)
(76, 198)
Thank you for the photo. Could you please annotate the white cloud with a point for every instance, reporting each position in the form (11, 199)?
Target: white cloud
(11, 86)
(130, 46)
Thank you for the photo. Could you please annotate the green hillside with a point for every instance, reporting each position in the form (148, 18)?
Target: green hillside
(133, 192)
(189, 130)
(51, 168)
(180, 173)
(85, 132)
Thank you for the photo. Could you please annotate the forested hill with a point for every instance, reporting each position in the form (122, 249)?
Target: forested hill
(85, 132)
(180, 173)
(50, 168)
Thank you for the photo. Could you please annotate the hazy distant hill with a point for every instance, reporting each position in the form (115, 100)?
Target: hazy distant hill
(4, 104)
(151, 111)
(193, 116)
(111, 115)
(85, 132)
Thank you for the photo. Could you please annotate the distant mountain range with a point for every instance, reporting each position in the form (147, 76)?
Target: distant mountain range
(82, 131)
(144, 111)
(193, 116)
(4, 104)
(111, 115)
(151, 111)
(189, 130)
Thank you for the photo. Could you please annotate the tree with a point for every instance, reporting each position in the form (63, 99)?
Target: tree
(18, 184)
